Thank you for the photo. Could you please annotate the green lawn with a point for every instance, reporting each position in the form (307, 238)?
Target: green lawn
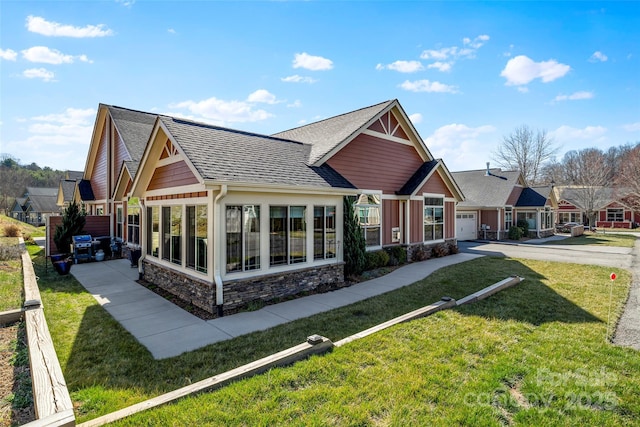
(11, 294)
(600, 239)
(530, 355)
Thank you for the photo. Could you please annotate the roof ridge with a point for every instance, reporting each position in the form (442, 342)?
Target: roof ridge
(130, 109)
(338, 115)
(232, 130)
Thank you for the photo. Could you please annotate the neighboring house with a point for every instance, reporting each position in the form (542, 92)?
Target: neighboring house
(223, 217)
(496, 199)
(606, 204)
(18, 209)
(36, 205)
(68, 187)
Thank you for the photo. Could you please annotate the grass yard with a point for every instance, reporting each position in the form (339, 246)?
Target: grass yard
(28, 231)
(535, 354)
(11, 294)
(600, 239)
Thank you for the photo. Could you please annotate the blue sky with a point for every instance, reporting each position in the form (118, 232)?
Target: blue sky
(467, 73)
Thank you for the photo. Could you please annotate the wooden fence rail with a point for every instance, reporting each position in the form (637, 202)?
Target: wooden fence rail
(50, 394)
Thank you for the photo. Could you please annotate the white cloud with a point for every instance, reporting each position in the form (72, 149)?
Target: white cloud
(428, 86)
(461, 145)
(51, 56)
(171, 31)
(295, 104)
(632, 127)
(310, 62)
(598, 57)
(415, 118)
(402, 66)
(298, 79)
(574, 96)
(39, 25)
(39, 73)
(521, 70)
(567, 133)
(445, 57)
(8, 55)
(221, 111)
(58, 140)
(441, 66)
(262, 96)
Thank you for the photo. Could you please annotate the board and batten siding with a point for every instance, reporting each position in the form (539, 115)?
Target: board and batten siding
(99, 183)
(374, 163)
(391, 219)
(417, 221)
(172, 175)
(449, 220)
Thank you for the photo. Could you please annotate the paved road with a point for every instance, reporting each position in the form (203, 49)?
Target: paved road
(628, 328)
(607, 256)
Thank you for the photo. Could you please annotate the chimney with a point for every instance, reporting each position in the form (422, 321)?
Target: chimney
(487, 173)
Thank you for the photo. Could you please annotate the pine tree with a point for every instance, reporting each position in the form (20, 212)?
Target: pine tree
(73, 221)
(354, 244)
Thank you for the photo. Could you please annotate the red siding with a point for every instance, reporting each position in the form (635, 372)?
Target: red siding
(513, 197)
(450, 220)
(99, 176)
(376, 164)
(435, 185)
(173, 175)
(95, 225)
(120, 155)
(390, 218)
(417, 223)
(490, 218)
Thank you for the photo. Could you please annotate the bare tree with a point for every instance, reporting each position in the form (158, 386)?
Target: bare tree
(526, 151)
(628, 177)
(589, 174)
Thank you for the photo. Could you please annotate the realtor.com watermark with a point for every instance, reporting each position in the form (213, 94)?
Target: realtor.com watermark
(594, 385)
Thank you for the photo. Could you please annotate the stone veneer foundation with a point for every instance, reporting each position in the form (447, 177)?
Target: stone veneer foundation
(239, 293)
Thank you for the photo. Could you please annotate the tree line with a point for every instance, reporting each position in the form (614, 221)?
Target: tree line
(16, 177)
(594, 174)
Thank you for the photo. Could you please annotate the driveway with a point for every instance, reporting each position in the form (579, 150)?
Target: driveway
(608, 256)
(628, 329)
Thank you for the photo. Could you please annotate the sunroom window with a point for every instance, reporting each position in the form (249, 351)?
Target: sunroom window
(243, 237)
(615, 215)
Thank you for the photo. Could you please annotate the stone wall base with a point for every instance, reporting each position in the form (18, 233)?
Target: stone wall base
(240, 294)
(200, 293)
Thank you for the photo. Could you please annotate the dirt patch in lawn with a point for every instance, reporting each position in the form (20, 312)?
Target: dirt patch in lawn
(16, 399)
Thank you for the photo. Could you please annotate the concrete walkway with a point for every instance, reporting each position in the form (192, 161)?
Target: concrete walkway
(166, 330)
(628, 328)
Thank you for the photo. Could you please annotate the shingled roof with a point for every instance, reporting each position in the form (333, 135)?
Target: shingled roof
(325, 135)
(135, 128)
(482, 189)
(228, 155)
(41, 199)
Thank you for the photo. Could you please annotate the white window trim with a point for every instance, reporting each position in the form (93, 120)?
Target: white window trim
(444, 217)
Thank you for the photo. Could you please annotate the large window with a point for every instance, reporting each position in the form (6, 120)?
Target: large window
(197, 238)
(243, 237)
(368, 209)
(153, 230)
(119, 221)
(530, 217)
(615, 215)
(172, 233)
(133, 225)
(564, 217)
(287, 235)
(433, 218)
(508, 218)
(324, 232)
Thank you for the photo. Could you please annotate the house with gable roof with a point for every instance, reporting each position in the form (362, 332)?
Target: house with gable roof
(223, 217)
(607, 205)
(495, 200)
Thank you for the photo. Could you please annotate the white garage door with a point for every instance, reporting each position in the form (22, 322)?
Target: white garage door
(466, 223)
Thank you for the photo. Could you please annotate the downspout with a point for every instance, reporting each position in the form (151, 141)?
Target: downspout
(143, 238)
(499, 224)
(217, 250)
(538, 224)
